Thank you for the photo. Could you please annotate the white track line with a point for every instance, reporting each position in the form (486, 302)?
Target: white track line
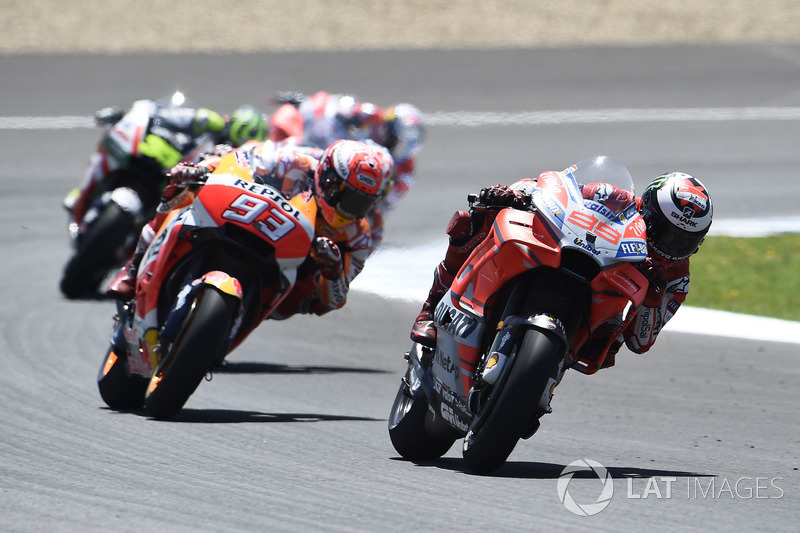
(524, 118)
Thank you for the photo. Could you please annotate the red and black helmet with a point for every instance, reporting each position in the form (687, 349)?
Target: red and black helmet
(349, 181)
(677, 210)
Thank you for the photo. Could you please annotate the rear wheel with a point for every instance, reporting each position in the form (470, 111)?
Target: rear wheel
(97, 252)
(201, 340)
(510, 410)
(121, 390)
(407, 428)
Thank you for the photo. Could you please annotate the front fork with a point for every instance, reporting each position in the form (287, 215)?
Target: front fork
(510, 332)
(221, 281)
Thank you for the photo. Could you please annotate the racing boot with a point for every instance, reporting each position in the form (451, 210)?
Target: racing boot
(466, 230)
(423, 331)
(123, 285)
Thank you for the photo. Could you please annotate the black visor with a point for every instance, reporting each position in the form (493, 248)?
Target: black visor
(671, 241)
(349, 202)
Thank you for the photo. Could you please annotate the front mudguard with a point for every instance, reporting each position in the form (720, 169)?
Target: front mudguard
(220, 280)
(541, 321)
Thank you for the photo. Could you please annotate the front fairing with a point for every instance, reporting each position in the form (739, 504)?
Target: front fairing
(235, 218)
(609, 236)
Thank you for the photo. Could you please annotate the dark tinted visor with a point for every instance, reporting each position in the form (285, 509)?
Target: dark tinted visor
(671, 241)
(349, 202)
(352, 203)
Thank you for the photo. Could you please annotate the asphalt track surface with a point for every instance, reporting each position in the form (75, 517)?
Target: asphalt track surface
(293, 437)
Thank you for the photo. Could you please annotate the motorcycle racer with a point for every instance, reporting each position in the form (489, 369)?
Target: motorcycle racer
(346, 179)
(677, 211)
(326, 117)
(177, 128)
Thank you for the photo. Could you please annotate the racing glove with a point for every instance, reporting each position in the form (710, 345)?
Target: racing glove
(108, 115)
(656, 275)
(186, 172)
(328, 257)
(175, 193)
(502, 196)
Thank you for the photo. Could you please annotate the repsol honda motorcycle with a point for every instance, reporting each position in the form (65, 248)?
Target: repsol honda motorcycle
(214, 271)
(120, 192)
(527, 305)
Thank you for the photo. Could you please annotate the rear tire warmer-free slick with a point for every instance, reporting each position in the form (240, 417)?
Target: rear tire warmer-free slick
(407, 429)
(509, 412)
(202, 338)
(96, 253)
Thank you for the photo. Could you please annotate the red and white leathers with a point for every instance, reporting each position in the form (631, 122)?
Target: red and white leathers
(290, 169)
(660, 304)
(467, 229)
(658, 308)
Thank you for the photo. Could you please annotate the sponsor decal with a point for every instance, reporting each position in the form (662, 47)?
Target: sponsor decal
(631, 248)
(454, 321)
(447, 363)
(692, 197)
(601, 193)
(631, 212)
(683, 219)
(242, 158)
(585, 245)
(672, 307)
(645, 323)
(504, 340)
(601, 209)
(366, 179)
(679, 285)
(450, 416)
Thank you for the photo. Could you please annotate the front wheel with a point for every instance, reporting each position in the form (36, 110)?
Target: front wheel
(511, 408)
(407, 428)
(97, 252)
(201, 340)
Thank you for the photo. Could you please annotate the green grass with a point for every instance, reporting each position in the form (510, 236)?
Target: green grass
(756, 276)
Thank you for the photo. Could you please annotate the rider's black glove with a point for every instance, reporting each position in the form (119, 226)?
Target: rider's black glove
(185, 172)
(108, 115)
(656, 274)
(503, 196)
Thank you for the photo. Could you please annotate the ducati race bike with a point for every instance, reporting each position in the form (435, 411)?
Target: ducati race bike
(120, 192)
(214, 271)
(525, 307)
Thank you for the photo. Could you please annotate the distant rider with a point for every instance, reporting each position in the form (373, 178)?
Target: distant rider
(677, 210)
(326, 117)
(181, 127)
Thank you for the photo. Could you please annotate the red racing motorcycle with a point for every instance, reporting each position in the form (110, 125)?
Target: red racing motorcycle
(527, 305)
(214, 271)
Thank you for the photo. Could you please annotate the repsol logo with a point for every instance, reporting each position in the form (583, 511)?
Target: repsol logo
(454, 321)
